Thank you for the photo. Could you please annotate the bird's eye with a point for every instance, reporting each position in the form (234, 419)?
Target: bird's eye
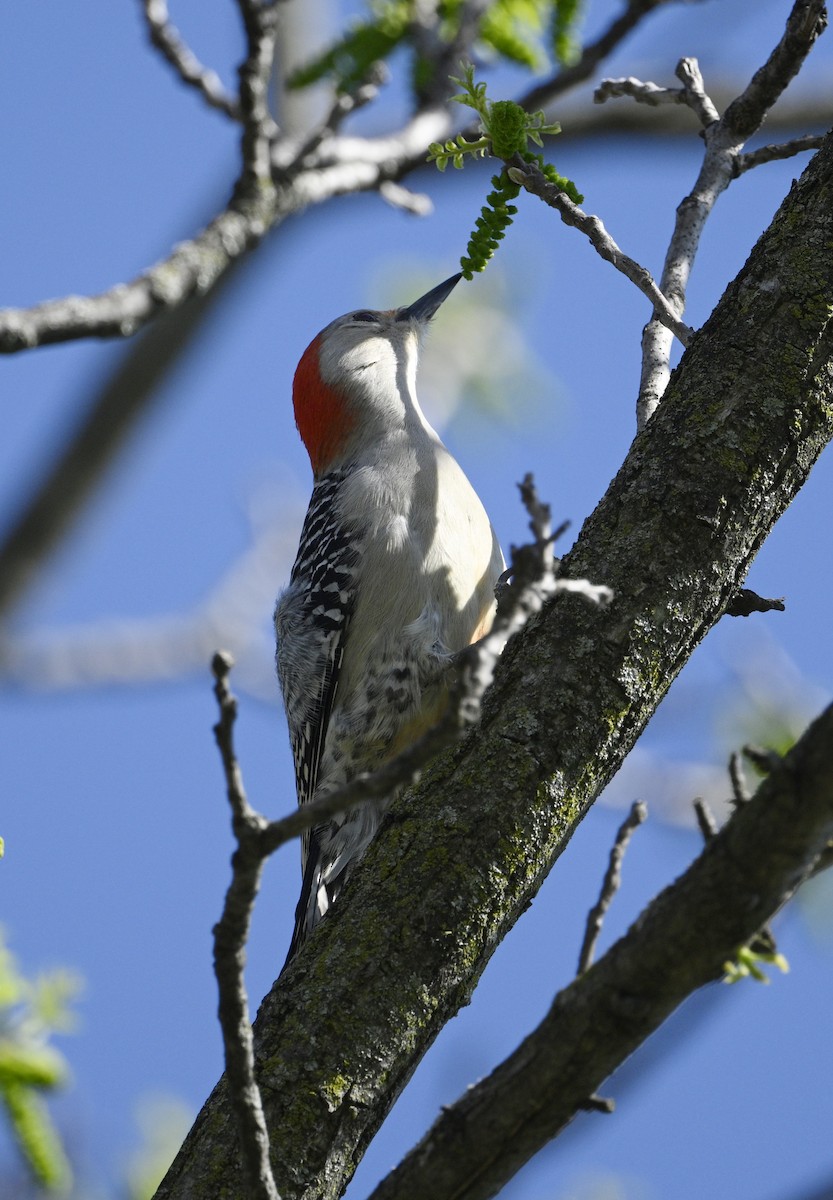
(364, 315)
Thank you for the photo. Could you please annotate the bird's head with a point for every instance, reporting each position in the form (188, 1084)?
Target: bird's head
(357, 377)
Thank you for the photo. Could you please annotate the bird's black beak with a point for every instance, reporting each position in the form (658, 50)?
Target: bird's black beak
(424, 308)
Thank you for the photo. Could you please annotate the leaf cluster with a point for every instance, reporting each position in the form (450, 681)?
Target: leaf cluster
(529, 33)
(565, 43)
(750, 962)
(490, 227)
(351, 59)
(506, 127)
(506, 130)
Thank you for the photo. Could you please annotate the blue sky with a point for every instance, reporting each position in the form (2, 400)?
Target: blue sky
(111, 797)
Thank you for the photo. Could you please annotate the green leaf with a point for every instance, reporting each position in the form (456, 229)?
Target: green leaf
(36, 1137)
(36, 1066)
(565, 43)
(747, 965)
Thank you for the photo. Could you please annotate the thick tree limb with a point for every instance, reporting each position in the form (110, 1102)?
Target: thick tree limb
(747, 413)
(680, 943)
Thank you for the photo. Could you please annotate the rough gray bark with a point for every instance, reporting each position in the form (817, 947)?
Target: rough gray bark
(680, 943)
(746, 415)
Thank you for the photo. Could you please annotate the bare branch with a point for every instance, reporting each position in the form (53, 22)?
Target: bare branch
(418, 204)
(192, 269)
(230, 935)
(643, 93)
(694, 92)
(705, 819)
(762, 759)
(531, 178)
(806, 23)
(724, 139)
(740, 791)
(259, 129)
(290, 153)
(610, 885)
(777, 152)
(592, 54)
(339, 166)
(166, 38)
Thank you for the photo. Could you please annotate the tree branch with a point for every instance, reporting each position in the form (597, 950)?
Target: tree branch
(461, 854)
(678, 944)
(166, 38)
(230, 937)
(339, 166)
(323, 166)
(610, 885)
(592, 55)
(724, 138)
(643, 93)
(529, 176)
(192, 269)
(777, 153)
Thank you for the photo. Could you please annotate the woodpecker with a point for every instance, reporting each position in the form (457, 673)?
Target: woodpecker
(395, 573)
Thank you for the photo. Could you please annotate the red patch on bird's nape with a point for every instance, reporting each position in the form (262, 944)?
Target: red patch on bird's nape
(322, 414)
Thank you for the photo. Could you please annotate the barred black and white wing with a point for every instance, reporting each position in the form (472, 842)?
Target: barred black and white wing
(311, 622)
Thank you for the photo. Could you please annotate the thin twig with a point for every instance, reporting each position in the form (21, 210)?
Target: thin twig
(289, 155)
(610, 884)
(599, 1104)
(642, 92)
(740, 791)
(705, 819)
(764, 760)
(694, 92)
(168, 41)
(255, 72)
(592, 54)
(417, 204)
(745, 602)
(777, 152)
(531, 178)
(230, 936)
(763, 941)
